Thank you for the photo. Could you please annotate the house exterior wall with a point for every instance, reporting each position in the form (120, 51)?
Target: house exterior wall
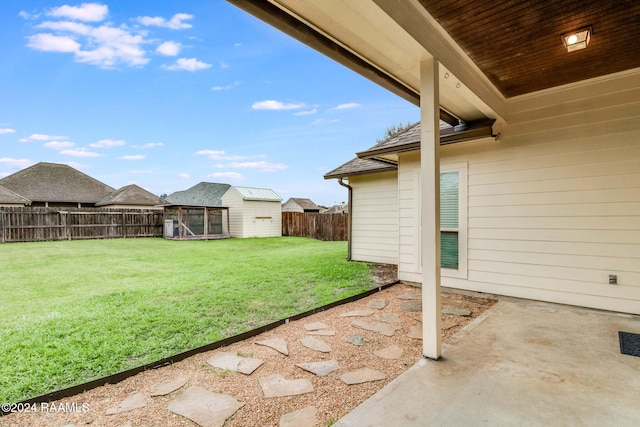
(409, 217)
(375, 218)
(554, 206)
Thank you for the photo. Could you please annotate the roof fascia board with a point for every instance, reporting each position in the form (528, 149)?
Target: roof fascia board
(365, 172)
(416, 21)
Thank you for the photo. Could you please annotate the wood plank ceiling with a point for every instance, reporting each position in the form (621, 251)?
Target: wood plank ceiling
(518, 44)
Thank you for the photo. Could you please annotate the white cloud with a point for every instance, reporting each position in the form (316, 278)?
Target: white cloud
(15, 163)
(187, 64)
(59, 145)
(213, 154)
(133, 157)
(226, 87)
(105, 46)
(169, 48)
(150, 145)
(271, 104)
(51, 43)
(6, 130)
(261, 165)
(229, 175)
(107, 143)
(41, 137)
(175, 23)
(80, 152)
(347, 106)
(184, 175)
(306, 113)
(77, 165)
(26, 15)
(88, 12)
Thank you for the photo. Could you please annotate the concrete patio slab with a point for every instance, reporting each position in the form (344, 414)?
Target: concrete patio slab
(521, 363)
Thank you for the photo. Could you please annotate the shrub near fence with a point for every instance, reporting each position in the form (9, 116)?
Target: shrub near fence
(331, 227)
(33, 224)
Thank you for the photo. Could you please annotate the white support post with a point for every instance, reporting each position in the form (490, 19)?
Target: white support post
(430, 207)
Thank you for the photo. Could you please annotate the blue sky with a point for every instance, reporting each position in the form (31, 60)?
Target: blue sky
(168, 94)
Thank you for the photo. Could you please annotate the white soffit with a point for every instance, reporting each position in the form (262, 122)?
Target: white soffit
(367, 31)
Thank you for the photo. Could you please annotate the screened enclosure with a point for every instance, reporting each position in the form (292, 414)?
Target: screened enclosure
(196, 222)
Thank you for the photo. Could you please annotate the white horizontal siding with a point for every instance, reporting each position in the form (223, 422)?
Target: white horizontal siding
(233, 201)
(374, 211)
(262, 219)
(554, 206)
(409, 263)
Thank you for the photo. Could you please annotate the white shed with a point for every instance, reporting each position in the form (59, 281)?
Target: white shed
(253, 212)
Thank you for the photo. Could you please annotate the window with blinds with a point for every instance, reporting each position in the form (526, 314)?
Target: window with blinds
(449, 223)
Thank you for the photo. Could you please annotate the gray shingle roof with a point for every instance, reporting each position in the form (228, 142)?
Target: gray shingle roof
(359, 166)
(306, 204)
(207, 194)
(8, 196)
(132, 195)
(54, 182)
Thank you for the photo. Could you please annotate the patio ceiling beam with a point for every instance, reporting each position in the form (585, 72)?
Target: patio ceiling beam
(299, 30)
(415, 20)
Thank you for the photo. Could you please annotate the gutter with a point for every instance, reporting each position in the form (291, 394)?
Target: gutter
(350, 206)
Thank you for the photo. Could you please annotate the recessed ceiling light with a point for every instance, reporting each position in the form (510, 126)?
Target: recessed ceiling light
(577, 40)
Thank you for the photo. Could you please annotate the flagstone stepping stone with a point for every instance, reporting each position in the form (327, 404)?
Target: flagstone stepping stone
(415, 332)
(411, 306)
(232, 362)
(305, 417)
(390, 353)
(358, 313)
(411, 296)
(456, 311)
(279, 386)
(356, 339)
(315, 344)
(135, 401)
(323, 332)
(386, 329)
(378, 304)
(388, 318)
(170, 386)
(278, 344)
(321, 369)
(315, 326)
(363, 375)
(205, 408)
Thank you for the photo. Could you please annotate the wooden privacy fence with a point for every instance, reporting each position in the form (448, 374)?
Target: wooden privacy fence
(32, 224)
(316, 225)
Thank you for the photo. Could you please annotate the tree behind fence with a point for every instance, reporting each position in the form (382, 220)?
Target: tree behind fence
(316, 225)
(33, 224)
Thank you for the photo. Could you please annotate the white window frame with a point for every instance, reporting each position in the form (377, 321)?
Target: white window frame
(462, 168)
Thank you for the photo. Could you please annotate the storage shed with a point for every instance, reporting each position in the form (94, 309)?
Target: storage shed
(252, 212)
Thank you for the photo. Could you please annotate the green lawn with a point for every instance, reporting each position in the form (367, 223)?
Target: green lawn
(74, 311)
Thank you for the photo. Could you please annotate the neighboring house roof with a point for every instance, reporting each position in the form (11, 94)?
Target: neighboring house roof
(409, 139)
(54, 182)
(305, 204)
(207, 194)
(7, 196)
(335, 209)
(132, 195)
(359, 166)
(259, 194)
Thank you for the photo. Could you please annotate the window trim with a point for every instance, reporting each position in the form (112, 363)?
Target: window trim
(462, 169)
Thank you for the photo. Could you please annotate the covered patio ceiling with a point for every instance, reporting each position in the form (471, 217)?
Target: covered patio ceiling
(488, 52)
